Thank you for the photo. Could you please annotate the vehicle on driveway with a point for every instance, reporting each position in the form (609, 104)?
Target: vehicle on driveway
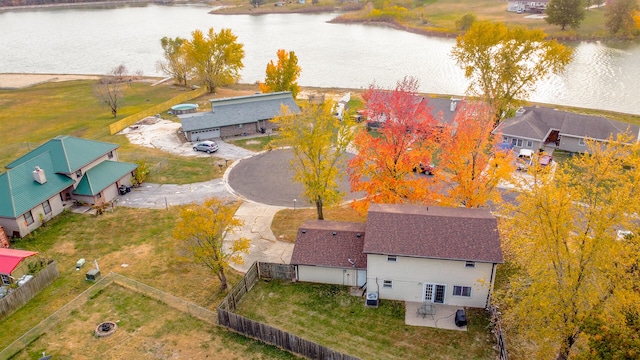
(206, 146)
(545, 160)
(524, 160)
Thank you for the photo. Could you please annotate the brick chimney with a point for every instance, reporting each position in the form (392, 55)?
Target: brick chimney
(38, 175)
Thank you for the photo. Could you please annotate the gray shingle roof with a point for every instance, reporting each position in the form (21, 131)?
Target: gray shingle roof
(317, 245)
(536, 122)
(240, 110)
(433, 232)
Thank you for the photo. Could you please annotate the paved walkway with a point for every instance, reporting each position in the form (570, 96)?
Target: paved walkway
(257, 217)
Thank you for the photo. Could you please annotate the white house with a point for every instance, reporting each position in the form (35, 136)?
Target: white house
(409, 253)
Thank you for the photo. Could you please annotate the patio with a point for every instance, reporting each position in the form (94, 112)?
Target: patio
(441, 316)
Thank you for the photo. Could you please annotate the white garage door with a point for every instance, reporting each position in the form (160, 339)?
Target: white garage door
(205, 134)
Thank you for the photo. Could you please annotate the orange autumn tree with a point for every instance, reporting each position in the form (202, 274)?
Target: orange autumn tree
(383, 166)
(470, 163)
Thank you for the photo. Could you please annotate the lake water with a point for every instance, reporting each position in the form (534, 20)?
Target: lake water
(93, 40)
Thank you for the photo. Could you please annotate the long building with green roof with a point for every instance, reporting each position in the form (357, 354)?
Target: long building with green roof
(40, 184)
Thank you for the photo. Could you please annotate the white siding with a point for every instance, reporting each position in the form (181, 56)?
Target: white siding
(410, 274)
(324, 275)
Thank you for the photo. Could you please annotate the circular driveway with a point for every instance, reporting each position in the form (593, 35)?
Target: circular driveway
(267, 178)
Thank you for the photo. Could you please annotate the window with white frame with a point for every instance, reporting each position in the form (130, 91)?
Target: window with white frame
(462, 291)
(581, 142)
(529, 143)
(505, 139)
(387, 284)
(392, 258)
(28, 218)
(470, 264)
(110, 155)
(46, 206)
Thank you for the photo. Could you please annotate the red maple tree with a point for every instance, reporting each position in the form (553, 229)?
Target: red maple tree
(385, 162)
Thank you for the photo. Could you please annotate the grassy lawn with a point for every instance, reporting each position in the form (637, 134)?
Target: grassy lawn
(287, 221)
(256, 144)
(439, 16)
(327, 314)
(163, 333)
(42, 112)
(140, 238)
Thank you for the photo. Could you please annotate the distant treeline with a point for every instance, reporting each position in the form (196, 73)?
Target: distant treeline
(13, 3)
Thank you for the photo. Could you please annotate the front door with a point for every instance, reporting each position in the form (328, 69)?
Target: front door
(434, 293)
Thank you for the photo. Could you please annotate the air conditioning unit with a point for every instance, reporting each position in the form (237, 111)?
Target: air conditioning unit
(372, 300)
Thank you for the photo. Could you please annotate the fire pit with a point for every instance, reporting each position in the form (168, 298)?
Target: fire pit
(106, 328)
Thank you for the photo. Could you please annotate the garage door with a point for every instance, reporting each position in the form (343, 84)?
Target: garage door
(205, 134)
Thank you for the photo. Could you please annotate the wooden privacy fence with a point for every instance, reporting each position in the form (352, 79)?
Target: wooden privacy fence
(279, 338)
(264, 332)
(119, 125)
(20, 296)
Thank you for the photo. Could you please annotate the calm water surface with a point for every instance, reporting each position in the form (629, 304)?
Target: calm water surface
(94, 40)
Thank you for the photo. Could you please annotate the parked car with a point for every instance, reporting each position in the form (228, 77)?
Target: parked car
(423, 168)
(545, 160)
(524, 160)
(206, 146)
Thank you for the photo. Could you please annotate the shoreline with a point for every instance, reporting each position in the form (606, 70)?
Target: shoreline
(17, 81)
(221, 8)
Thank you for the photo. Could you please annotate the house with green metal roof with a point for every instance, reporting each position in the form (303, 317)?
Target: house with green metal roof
(39, 185)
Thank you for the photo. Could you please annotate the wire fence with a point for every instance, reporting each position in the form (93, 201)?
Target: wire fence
(497, 331)
(64, 312)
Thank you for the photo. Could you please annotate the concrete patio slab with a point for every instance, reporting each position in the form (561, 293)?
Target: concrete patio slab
(442, 319)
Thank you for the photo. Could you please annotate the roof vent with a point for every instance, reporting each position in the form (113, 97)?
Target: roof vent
(304, 231)
(39, 176)
(359, 235)
(335, 233)
(519, 112)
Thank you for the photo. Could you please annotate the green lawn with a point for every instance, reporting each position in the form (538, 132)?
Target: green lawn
(327, 314)
(162, 333)
(42, 112)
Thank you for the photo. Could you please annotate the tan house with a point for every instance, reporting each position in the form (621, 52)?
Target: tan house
(409, 253)
(37, 186)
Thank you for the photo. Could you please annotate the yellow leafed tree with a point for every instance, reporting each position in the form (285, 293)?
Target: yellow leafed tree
(201, 231)
(570, 266)
(319, 143)
(284, 75)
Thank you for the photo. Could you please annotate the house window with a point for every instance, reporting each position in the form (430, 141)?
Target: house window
(529, 143)
(99, 195)
(110, 155)
(28, 218)
(581, 142)
(470, 264)
(79, 174)
(462, 291)
(505, 139)
(392, 258)
(516, 142)
(46, 206)
(5, 279)
(387, 284)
